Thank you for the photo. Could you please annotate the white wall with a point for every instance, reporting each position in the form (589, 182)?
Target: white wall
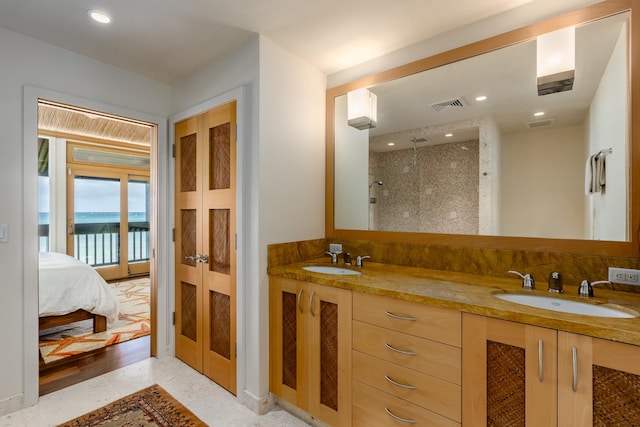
(283, 177)
(29, 62)
(542, 183)
(292, 172)
(529, 13)
(351, 176)
(608, 119)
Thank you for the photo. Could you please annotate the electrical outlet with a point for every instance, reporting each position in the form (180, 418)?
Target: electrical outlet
(335, 247)
(624, 276)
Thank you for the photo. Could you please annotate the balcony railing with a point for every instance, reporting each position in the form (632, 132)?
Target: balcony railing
(98, 244)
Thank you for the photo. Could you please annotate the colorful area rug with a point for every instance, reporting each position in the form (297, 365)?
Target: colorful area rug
(76, 338)
(150, 407)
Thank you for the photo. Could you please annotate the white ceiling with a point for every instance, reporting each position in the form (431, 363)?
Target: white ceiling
(168, 39)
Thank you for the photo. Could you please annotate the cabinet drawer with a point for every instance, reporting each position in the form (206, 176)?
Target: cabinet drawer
(370, 408)
(438, 324)
(434, 394)
(426, 356)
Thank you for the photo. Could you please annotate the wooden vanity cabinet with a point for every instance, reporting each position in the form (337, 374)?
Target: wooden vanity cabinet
(516, 374)
(310, 348)
(509, 373)
(605, 390)
(406, 363)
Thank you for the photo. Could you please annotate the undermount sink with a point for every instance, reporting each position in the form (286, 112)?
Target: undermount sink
(329, 269)
(565, 305)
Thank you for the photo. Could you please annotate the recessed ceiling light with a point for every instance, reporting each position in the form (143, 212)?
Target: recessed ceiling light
(391, 144)
(539, 113)
(481, 98)
(448, 135)
(99, 16)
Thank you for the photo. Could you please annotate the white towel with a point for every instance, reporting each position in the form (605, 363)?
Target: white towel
(595, 174)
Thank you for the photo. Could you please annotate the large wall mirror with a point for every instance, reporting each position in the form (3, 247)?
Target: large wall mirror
(471, 148)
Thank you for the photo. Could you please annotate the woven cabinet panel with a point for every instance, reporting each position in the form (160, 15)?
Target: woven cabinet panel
(289, 340)
(616, 398)
(220, 241)
(188, 159)
(220, 157)
(188, 236)
(220, 327)
(189, 311)
(505, 385)
(329, 354)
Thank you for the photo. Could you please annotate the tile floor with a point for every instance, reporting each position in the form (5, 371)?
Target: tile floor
(211, 403)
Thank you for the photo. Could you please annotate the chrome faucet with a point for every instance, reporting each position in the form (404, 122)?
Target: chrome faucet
(527, 280)
(586, 287)
(347, 258)
(555, 283)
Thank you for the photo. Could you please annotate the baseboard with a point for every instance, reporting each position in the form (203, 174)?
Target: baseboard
(299, 413)
(11, 404)
(259, 405)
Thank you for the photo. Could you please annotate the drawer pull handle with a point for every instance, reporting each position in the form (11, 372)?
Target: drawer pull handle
(397, 350)
(396, 316)
(404, 420)
(410, 387)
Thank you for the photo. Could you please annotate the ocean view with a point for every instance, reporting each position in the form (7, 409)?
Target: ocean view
(97, 217)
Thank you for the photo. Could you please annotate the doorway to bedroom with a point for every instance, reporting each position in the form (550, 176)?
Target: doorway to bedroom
(95, 208)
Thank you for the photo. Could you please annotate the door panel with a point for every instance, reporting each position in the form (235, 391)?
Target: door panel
(95, 224)
(220, 229)
(188, 239)
(205, 242)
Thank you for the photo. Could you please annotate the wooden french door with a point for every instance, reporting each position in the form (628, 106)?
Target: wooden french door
(205, 264)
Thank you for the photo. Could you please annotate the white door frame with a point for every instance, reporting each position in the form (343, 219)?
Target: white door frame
(238, 95)
(30, 228)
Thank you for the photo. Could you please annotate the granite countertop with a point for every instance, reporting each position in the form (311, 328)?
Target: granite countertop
(474, 294)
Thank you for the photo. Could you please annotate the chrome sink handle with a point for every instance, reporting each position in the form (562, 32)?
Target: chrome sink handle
(527, 280)
(360, 260)
(586, 287)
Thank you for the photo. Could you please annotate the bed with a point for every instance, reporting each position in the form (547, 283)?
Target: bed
(70, 291)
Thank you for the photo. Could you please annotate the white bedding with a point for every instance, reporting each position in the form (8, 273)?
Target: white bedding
(67, 285)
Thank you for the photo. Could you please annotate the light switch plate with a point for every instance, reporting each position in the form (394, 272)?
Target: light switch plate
(4, 233)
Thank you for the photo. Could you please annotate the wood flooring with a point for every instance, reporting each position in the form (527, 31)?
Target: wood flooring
(58, 375)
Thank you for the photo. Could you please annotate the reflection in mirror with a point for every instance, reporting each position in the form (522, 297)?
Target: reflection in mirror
(471, 148)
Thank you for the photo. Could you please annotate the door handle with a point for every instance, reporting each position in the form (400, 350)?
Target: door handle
(70, 229)
(198, 258)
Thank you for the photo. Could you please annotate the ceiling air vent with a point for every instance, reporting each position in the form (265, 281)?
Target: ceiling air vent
(534, 124)
(452, 104)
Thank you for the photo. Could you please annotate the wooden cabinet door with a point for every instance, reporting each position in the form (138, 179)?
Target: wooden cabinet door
(310, 348)
(287, 349)
(329, 354)
(598, 382)
(509, 373)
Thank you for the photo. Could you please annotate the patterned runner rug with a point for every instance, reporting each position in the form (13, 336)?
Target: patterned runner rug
(76, 338)
(150, 407)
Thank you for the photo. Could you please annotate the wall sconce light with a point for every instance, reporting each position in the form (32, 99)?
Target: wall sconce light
(362, 109)
(556, 61)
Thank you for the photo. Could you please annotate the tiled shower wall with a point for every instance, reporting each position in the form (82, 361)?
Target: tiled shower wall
(434, 190)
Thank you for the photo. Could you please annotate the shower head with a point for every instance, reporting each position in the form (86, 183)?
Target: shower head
(375, 182)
